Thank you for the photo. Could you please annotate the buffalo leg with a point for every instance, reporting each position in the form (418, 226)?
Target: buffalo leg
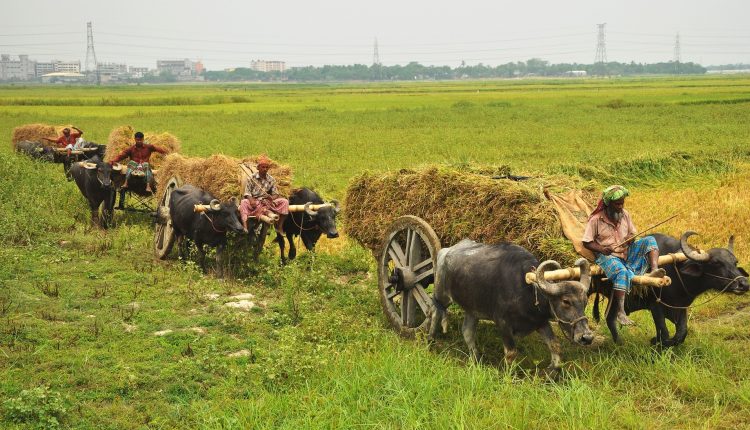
(509, 344)
(280, 240)
(469, 330)
(292, 247)
(662, 332)
(681, 329)
(309, 244)
(201, 256)
(553, 344)
(220, 260)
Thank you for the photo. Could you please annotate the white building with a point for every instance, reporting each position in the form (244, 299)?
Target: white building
(68, 66)
(138, 72)
(576, 73)
(43, 68)
(21, 69)
(268, 66)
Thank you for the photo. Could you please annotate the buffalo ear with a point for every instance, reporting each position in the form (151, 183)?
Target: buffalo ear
(742, 271)
(691, 268)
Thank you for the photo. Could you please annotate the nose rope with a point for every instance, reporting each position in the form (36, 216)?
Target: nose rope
(210, 221)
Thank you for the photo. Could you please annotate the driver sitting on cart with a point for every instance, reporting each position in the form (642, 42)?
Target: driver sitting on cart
(68, 140)
(139, 155)
(261, 195)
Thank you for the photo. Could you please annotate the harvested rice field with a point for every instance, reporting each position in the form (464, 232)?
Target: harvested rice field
(97, 333)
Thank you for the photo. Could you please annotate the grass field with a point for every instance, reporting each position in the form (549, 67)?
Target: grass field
(80, 309)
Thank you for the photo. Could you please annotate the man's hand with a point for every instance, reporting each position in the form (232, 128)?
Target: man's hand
(606, 250)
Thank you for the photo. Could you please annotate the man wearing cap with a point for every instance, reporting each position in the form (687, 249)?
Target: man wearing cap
(608, 227)
(261, 195)
(139, 155)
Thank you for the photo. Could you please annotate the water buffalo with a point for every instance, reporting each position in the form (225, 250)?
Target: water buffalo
(488, 282)
(204, 228)
(94, 179)
(714, 270)
(35, 150)
(309, 225)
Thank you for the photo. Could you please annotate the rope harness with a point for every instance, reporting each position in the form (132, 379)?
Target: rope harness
(554, 314)
(210, 221)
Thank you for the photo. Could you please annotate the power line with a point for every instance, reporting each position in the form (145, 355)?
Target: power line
(600, 58)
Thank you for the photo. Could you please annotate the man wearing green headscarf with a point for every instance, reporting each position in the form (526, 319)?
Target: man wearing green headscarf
(608, 227)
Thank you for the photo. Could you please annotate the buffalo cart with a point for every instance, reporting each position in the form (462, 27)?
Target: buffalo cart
(407, 261)
(135, 198)
(258, 227)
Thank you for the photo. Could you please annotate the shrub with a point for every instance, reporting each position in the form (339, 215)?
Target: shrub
(38, 406)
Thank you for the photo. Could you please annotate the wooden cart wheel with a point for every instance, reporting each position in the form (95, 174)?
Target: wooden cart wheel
(406, 268)
(163, 232)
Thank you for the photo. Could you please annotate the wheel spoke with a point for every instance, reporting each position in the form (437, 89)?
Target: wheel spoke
(422, 298)
(419, 266)
(414, 248)
(404, 308)
(423, 275)
(393, 293)
(410, 303)
(397, 254)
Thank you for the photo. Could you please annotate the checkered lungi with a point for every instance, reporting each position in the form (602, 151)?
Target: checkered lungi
(620, 271)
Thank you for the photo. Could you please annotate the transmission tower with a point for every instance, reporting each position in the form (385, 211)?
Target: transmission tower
(677, 54)
(600, 60)
(92, 67)
(375, 55)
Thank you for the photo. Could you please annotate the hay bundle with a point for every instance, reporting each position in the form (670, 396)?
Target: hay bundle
(122, 137)
(458, 205)
(37, 133)
(218, 174)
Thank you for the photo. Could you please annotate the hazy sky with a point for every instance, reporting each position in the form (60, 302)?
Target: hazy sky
(226, 33)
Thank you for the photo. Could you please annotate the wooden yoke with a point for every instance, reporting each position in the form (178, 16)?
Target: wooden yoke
(314, 208)
(575, 273)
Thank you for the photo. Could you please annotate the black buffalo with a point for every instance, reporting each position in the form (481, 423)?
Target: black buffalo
(309, 225)
(204, 228)
(488, 282)
(94, 179)
(35, 150)
(67, 161)
(714, 270)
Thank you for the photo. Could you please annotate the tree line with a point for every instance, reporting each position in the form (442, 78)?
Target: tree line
(416, 71)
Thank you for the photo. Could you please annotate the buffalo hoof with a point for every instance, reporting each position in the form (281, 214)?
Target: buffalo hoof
(664, 343)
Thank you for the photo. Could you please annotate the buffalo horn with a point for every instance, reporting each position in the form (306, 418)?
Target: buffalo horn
(89, 166)
(547, 287)
(730, 246)
(214, 205)
(689, 251)
(309, 210)
(583, 264)
(336, 206)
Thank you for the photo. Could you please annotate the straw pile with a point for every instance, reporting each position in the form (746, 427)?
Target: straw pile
(459, 205)
(122, 137)
(219, 174)
(36, 133)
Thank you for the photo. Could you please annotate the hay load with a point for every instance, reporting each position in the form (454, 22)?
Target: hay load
(219, 174)
(122, 137)
(459, 205)
(37, 133)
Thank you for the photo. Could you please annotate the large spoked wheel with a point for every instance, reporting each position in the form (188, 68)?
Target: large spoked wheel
(163, 231)
(406, 269)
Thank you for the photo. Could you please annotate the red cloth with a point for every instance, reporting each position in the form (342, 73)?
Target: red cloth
(63, 141)
(599, 207)
(257, 207)
(139, 155)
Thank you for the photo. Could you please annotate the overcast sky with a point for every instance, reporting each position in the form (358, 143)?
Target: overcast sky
(228, 33)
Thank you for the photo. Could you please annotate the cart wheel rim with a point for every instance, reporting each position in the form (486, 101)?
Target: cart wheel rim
(406, 269)
(163, 231)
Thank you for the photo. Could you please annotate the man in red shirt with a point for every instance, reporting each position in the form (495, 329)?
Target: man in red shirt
(67, 140)
(139, 155)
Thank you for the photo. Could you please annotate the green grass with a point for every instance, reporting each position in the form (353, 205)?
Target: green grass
(79, 308)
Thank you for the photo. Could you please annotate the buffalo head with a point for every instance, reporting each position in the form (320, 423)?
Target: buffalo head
(326, 218)
(568, 300)
(103, 171)
(716, 268)
(226, 216)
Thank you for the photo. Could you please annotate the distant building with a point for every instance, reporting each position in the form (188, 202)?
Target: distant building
(268, 66)
(21, 69)
(44, 68)
(575, 73)
(138, 72)
(63, 77)
(68, 66)
(185, 69)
